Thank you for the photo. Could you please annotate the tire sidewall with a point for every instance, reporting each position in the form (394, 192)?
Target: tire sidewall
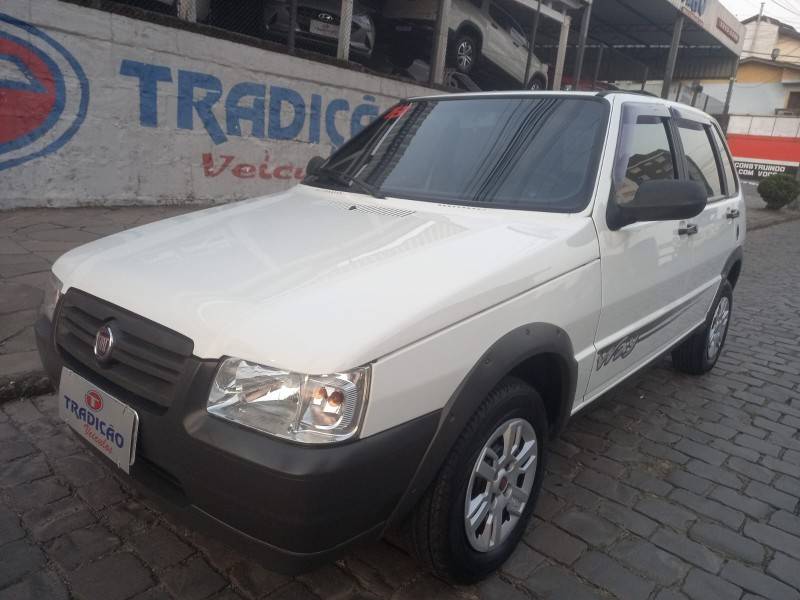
(469, 564)
(725, 290)
(535, 80)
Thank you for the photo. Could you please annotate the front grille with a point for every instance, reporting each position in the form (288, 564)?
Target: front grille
(148, 360)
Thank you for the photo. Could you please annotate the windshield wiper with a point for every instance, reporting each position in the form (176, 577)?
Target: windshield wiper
(349, 180)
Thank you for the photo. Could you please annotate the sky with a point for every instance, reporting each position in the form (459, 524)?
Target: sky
(787, 11)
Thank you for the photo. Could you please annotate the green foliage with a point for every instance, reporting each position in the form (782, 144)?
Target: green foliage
(779, 190)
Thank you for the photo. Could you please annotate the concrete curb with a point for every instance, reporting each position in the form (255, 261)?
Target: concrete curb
(24, 385)
(786, 219)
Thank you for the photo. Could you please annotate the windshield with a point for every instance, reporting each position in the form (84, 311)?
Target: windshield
(525, 152)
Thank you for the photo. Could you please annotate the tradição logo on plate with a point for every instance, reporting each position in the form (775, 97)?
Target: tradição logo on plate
(93, 400)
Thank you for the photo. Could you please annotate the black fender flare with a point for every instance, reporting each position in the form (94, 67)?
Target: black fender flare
(511, 350)
(737, 256)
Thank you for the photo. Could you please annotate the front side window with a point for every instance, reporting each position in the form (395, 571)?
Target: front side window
(644, 152)
(702, 162)
(526, 152)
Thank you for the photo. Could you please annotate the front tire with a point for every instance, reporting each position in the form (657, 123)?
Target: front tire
(699, 353)
(474, 514)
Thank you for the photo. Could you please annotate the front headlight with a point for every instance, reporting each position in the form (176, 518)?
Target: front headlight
(311, 409)
(52, 292)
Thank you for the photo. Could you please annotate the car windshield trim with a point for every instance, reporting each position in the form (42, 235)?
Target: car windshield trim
(538, 152)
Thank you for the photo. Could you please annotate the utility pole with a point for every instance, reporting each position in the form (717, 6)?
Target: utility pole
(758, 27)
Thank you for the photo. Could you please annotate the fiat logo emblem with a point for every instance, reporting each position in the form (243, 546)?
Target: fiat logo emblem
(326, 17)
(93, 400)
(103, 343)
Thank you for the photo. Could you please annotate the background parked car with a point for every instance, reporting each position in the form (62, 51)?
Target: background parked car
(317, 23)
(484, 41)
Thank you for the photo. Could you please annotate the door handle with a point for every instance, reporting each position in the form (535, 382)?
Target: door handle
(733, 213)
(688, 229)
(494, 26)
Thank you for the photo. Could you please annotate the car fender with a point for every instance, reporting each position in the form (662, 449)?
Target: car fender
(511, 350)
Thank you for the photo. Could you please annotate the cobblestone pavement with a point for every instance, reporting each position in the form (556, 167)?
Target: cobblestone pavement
(670, 487)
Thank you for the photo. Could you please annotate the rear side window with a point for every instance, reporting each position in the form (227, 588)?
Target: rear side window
(644, 152)
(702, 162)
(727, 166)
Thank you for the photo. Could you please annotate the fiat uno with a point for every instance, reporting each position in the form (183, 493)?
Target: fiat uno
(393, 343)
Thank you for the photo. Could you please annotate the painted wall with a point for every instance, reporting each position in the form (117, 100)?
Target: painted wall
(101, 109)
(763, 146)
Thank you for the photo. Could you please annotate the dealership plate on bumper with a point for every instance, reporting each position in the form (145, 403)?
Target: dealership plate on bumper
(324, 29)
(105, 422)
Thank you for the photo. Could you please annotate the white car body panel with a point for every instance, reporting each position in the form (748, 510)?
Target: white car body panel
(416, 380)
(298, 281)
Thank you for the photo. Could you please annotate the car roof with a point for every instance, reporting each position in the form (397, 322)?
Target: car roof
(620, 95)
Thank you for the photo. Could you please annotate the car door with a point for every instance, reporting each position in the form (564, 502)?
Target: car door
(644, 265)
(718, 229)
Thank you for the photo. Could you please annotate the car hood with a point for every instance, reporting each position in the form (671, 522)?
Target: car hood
(319, 281)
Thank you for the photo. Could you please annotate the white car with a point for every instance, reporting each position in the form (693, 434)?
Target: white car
(394, 342)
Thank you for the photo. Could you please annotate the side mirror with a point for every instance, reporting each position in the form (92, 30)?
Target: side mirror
(659, 200)
(314, 164)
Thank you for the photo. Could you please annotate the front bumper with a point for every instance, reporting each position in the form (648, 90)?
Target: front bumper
(296, 506)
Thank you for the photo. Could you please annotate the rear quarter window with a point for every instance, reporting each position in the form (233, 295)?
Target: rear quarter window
(731, 181)
(700, 156)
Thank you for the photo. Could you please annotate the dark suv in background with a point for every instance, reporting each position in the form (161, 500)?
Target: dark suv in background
(317, 23)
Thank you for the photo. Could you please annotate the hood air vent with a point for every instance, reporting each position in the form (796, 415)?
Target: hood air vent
(378, 210)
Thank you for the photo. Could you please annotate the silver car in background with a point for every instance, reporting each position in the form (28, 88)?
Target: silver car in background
(484, 41)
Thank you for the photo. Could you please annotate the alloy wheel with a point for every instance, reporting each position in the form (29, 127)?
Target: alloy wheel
(465, 55)
(500, 484)
(719, 324)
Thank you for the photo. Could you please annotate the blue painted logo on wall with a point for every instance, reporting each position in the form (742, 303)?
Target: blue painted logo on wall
(44, 93)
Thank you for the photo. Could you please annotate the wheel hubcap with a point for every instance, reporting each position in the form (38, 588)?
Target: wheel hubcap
(464, 55)
(719, 324)
(500, 484)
